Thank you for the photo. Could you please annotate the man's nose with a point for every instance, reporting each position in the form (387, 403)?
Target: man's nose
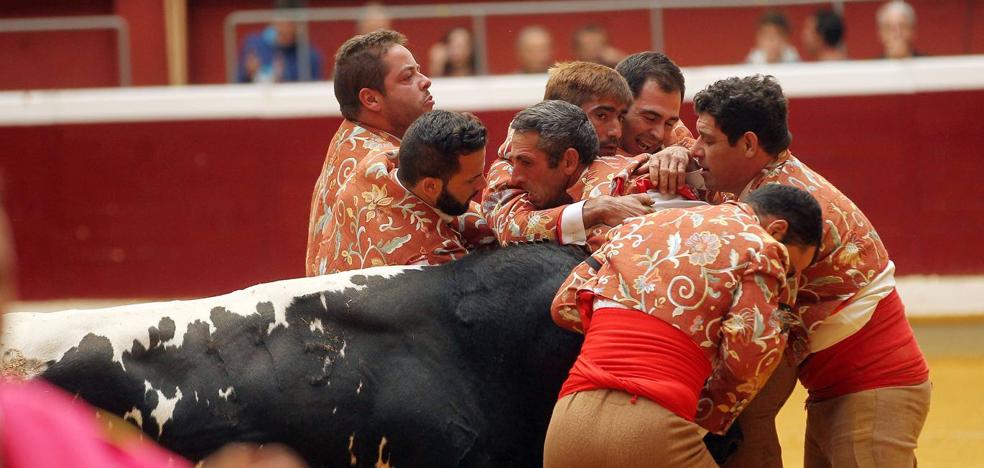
(616, 130)
(425, 83)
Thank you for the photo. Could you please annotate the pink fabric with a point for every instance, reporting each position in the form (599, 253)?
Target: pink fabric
(41, 426)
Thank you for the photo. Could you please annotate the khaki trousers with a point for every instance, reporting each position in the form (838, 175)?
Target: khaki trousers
(602, 428)
(760, 447)
(872, 428)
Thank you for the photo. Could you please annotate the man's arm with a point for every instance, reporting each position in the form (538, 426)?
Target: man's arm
(752, 342)
(565, 309)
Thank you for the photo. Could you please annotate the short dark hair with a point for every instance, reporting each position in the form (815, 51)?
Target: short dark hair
(359, 64)
(830, 27)
(796, 206)
(775, 18)
(433, 143)
(641, 67)
(750, 104)
(560, 125)
(579, 82)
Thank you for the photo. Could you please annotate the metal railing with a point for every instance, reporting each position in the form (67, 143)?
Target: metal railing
(478, 13)
(80, 23)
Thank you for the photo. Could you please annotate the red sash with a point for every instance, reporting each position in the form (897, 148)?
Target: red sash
(883, 353)
(628, 350)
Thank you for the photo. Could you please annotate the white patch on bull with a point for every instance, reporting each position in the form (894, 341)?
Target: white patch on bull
(316, 325)
(196, 396)
(164, 410)
(359, 389)
(44, 337)
(334, 410)
(134, 415)
(380, 463)
(224, 394)
(342, 352)
(352, 459)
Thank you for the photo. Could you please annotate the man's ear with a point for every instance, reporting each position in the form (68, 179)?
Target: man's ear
(777, 228)
(429, 188)
(371, 99)
(749, 144)
(570, 161)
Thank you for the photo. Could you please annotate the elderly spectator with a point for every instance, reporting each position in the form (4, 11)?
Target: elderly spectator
(823, 36)
(534, 49)
(897, 30)
(590, 44)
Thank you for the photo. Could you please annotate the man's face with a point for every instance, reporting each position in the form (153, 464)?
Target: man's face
(771, 40)
(464, 184)
(650, 119)
(535, 52)
(896, 34)
(546, 186)
(407, 96)
(725, 168)
(606, 115)
(810, 37)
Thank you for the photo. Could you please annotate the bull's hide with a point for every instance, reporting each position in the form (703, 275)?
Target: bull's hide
(456, 365)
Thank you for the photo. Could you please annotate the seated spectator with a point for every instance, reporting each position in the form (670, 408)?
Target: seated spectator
(373, 18)
(271, 56)
(823, 36)
(454, 55)
(534, 50)
(772, 41)
(897, 30)
(591, 45)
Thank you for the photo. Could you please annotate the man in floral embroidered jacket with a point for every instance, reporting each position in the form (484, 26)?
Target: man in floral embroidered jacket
(695, 291)
(855, 351)
(381, 91)
(514, 203)
(387, 215)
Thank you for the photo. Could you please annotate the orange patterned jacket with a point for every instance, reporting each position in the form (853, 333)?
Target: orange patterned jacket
(713, 273)
(351, 143)
(851, 253)
(376, 221)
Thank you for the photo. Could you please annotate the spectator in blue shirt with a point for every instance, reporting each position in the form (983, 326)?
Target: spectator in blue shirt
(271, 56)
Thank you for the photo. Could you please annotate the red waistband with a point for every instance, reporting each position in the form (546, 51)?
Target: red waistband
(628, 350)
(883, 353)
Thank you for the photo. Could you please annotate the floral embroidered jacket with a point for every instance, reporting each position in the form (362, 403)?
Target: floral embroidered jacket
(850, 256)
(376, 221)
(713, 273)
(351, 143)
(514, 219)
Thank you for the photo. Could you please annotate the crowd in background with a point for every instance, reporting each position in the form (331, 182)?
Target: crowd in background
(272, 54)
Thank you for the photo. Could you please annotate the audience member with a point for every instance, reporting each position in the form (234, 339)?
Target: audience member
(271, 56)
(772, 40)
(897, 30)
(590, 44)
(454, 55)
(534, 50)
(823, 36)
(373, 18)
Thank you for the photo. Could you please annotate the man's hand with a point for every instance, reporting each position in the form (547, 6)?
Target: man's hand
(612, 211)
(668, 169)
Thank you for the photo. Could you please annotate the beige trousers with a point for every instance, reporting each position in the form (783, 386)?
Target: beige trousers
(872, 428)
(760, 447)
(602, 428)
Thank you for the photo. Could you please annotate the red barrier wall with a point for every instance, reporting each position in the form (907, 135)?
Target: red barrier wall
(194, 208)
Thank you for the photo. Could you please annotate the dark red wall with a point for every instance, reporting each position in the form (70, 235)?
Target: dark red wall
(168, 209)
(693, 36)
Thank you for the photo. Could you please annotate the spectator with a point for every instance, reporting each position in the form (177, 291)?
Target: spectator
(823, 36)
(534, 49)
(373, 19)
(591, 45)
(772, 41)
(271, 56)
(897, 30)
(454, 55)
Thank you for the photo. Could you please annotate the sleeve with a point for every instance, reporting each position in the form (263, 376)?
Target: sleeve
(681, 135)
(474, 229)
(566, 308)
(509, 213)
(752, 342)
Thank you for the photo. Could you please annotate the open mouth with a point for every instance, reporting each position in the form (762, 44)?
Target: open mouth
(646, 146)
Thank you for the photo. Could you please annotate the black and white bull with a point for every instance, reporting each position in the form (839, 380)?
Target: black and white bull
(456, 365)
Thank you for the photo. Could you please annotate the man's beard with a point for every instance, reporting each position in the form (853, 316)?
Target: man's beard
(447, 203)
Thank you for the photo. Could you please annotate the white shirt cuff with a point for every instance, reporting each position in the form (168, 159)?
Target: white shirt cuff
(572, 225)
